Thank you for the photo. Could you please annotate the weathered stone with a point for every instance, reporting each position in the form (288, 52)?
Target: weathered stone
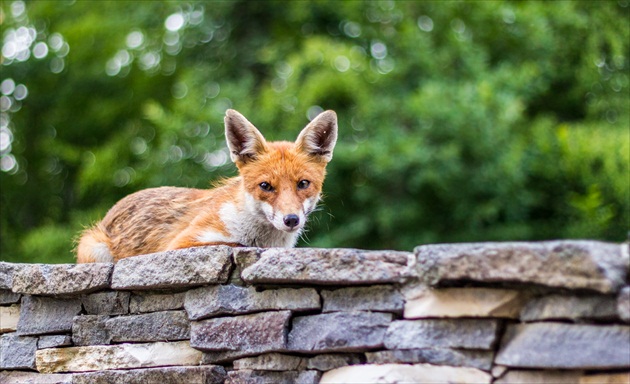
(156, 326)
(555, 307)
(209, 374)
(90, 330)
(329, 361)
(121, 356)
(540, 377)
(106, 303)
(378, 298)
(17, 352)
(9, 317)
(498, 371)
(423, 302)
(7, 271)
(231, 299)
(339, 332)
(442, 333)
(173, 269)
(9, 297)
(403, 373)
(155, 302)
(61, 279)
(224, 357)
(623, 304)
(260, 332)
(249, 376)
(323, 266)
(590, 265)
(21, 377)
(42, 315)
(54, 341)
(565, 346)
(606, 378)
(436, 356)
(271, 362)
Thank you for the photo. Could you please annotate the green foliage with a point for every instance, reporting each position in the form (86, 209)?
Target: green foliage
(459, 121)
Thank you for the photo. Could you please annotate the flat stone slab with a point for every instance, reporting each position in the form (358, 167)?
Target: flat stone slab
(106, 303)
(257, 333)
(576, 264)
(442, 333)
(187, 267)
(565, 346)
(43, 315)
(61, 279)
(208, 374)
(339, 332)
(323, 266)
(121, 356)
(21, 377)
(248, 376)
(54, 341)
(404, 373)
(233, 300)
(424, 302)
(623, 304)
(271, 362)
(155, 302)
(7, 271)
(17, 352)
(9, 317)
(570, 307)
(9, 297)
(377, 298)
(435, 356)
(328, 361)
(540, 377)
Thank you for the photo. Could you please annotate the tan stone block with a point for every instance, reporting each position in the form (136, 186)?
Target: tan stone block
(606, 378)
(9, 317)
(403, 373)
(121, 356)
(463, 302)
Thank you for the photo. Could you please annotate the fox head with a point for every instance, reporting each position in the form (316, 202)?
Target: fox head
(282, 180)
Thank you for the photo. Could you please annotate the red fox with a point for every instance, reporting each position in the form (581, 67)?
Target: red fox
(278, 186)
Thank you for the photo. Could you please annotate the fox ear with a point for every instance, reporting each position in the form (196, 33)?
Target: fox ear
(319, 137)
(244, 141)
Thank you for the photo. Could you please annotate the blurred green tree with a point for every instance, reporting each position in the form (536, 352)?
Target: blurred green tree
(459, 121)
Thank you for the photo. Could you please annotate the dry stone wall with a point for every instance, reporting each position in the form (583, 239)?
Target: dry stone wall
(453, 313)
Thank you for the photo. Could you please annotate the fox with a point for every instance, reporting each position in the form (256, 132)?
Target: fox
(278, 186)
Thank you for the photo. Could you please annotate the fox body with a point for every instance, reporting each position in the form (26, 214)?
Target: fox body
(278, 186)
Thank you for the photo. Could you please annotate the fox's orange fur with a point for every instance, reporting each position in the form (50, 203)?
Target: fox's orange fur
(278, 186)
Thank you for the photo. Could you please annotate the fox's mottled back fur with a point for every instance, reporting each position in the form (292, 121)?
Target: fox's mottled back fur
(278, 186)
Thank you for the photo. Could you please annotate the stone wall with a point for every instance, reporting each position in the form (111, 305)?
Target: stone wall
(463, 313)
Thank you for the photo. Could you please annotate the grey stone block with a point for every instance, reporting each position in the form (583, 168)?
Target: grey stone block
(45, 315)
(90, 330)
(9, 297)
(209, 374)
(623, 304)
(271, 362)
(7, 270)
(565, 346)
(231, 299)
(442, 333)
(61, 279)
(257, 333)
(54, 341)
(249, 376)
(328, 361)
(588, 265)
(377, 298)
(436, 356)
(155, 302)
(17, 352)
(106, 303)
(338, 332)
(155, 326)
(556, 307)
(323, 266)
(22, 377)
(174, 269)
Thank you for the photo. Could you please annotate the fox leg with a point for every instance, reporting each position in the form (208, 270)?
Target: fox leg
(93, 247)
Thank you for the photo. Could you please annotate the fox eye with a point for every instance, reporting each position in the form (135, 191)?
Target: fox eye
(265, 186)
(303, 184)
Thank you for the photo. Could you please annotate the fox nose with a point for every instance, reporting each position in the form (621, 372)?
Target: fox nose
(291, 220)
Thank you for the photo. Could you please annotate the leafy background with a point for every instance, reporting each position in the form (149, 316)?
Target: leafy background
(459, 121)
